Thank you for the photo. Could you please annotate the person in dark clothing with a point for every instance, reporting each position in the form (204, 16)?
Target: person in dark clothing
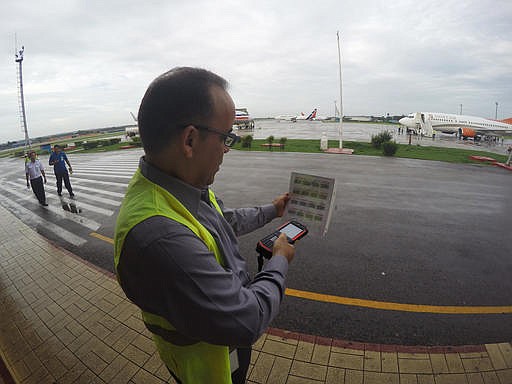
(34, 170)
(59, 159)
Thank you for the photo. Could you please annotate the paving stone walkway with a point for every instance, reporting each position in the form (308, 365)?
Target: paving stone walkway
(63, 320)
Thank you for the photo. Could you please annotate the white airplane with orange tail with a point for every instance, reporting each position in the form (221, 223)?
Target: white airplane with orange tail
(425, 123)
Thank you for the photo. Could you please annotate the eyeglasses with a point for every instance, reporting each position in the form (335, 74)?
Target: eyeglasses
(230, 138)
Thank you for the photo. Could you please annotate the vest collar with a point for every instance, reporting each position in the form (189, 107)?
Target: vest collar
(188, 195)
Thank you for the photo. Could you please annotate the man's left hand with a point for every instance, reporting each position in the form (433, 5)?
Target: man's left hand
(280, 203)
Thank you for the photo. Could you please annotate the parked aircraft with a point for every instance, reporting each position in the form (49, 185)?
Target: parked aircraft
(302, 116)
(425, 123)
(132, 131)
(311, 116)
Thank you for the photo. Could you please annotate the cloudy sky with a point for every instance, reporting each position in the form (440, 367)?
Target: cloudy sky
(87, 63)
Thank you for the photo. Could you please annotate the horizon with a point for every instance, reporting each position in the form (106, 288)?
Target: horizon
(89, 64)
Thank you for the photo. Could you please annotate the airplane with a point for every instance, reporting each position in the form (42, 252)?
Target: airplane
(310, 117)
(302, 116)
(133, 130)
(425, 123)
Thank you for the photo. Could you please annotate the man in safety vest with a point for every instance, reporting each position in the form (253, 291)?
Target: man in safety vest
(176, 249)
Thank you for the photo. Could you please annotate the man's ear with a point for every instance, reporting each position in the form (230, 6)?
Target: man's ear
(188, 139)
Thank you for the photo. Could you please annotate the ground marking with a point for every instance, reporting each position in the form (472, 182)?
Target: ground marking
(383, 305)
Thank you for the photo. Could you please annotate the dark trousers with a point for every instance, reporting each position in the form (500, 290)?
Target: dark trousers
(38, 188)
(63, 176)
(244, 358)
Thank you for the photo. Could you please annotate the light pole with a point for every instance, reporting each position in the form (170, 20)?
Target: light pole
(460, 110)
(21, 99)
(340, 127)
(496, 115)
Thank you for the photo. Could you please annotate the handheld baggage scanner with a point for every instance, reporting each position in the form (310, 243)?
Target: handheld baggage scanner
(293, 231)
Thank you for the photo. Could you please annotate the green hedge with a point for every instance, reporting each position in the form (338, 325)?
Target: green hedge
(382, 137)
(247, 141)
(91, 144)
(389, 148)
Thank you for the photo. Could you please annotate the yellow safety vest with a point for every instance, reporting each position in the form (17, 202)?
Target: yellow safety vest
(191, 361)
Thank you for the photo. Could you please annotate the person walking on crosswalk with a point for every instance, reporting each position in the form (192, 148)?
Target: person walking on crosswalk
(59, 159)
(34, 171)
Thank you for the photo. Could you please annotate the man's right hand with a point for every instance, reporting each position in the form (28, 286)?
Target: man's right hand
(282, 247)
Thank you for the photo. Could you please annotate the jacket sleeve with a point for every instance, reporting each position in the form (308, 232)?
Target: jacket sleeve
(165, 269)
(245, 220)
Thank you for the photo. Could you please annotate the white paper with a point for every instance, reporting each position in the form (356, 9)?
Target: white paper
(311, 201)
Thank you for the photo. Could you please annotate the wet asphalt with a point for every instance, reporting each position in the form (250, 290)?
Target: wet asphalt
(403, 231)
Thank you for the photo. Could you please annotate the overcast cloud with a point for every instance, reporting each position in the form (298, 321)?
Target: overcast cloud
(88, 63)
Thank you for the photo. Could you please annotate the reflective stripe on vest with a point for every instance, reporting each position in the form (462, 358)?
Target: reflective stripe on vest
(192, 361)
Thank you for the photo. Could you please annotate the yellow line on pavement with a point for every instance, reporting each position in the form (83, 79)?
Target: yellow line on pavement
(101, 237)
(455, 310)
(383, 305)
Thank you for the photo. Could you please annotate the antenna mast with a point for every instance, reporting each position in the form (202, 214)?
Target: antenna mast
(21, 100)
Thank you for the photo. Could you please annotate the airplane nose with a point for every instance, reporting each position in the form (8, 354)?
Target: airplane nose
(402, 120)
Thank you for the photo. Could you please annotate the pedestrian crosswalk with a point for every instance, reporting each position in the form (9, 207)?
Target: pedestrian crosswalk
(98, 180)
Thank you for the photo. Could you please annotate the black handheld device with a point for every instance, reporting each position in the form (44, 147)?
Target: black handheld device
(293, 231)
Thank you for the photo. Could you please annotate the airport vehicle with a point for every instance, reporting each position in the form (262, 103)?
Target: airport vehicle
(425, 123)
(242, 119)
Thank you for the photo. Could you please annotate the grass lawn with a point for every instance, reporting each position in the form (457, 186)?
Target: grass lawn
(452, 155)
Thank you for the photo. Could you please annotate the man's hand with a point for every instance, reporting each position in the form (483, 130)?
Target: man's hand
(280, 203)
(282, 247)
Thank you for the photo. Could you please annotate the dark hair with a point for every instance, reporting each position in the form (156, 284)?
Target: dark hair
(56, 146)
(178, 97)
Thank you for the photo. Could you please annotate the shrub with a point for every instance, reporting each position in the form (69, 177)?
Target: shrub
(136, 141)
(247, 141)
(90, 144)
(389, 148)
(114, 140)
(282, 140)
(78, 143)
(269, 141)
(382, 137)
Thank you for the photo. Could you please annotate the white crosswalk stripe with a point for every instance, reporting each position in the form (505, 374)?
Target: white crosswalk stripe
(99, 189)
(96, 192)
(34, 219)
(80, 173)
(91, 224)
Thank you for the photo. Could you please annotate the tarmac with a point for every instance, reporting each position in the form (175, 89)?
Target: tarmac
(63, 320)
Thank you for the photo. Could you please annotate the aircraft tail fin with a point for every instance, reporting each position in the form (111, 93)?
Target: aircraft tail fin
(312, 115)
